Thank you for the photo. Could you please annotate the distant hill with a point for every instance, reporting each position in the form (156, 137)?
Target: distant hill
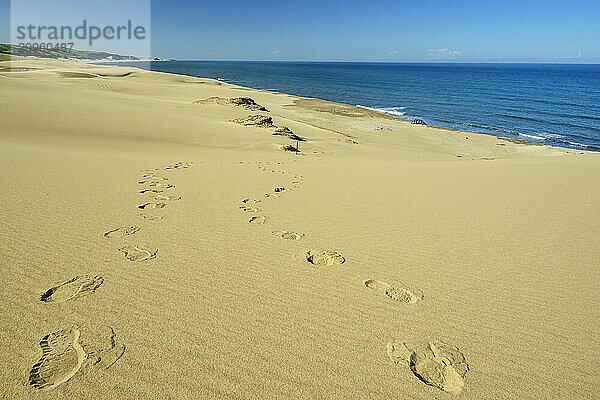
(64, 53)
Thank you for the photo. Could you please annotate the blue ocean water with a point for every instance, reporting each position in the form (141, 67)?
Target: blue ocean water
(555, 104)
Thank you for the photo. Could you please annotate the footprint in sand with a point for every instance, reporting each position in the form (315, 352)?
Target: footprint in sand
(167, 198)
(161, 185)
(324, 258)
(398, 292)
(102, 348)
(271, 195)
(249, 209)
(150, 206)
(150, 191)
(288, 235)
(251, 201)
(279, 189)
(179, 165)
(121, 231)
(67, 351)
(62, 357)
(151, 217)
(72, 289)
(138, 253)
(258, 220)
(435, 363)
(153, 179)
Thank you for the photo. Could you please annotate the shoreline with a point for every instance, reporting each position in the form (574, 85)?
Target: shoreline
(516, 137)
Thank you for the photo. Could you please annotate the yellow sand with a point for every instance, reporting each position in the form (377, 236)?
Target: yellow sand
(501, 238)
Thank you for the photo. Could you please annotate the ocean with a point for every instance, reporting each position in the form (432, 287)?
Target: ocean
(556, 104)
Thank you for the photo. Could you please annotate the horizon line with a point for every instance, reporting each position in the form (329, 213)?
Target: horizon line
(392, 62)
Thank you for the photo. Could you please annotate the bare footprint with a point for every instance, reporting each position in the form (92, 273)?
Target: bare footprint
(72, 289)
(150, 206)
(288, 235)
(435, 363)
(279, 189)
(62, 357)
(121, 231)
(324, 258)
(151, 217)
(251, 201)
(399, 292)
(258, 220)
(138, 253)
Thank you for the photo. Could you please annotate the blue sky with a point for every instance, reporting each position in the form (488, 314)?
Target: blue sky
(394, 31)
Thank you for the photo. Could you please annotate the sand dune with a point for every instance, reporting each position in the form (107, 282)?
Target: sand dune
(158, 250)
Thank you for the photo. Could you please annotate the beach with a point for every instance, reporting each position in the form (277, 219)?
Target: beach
(161, 240)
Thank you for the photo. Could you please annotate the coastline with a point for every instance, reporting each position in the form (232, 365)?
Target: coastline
(218, 262)
(569, 139)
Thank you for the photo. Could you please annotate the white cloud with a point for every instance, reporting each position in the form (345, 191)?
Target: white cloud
(443, 53)
(392, 53)
(579, 54)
